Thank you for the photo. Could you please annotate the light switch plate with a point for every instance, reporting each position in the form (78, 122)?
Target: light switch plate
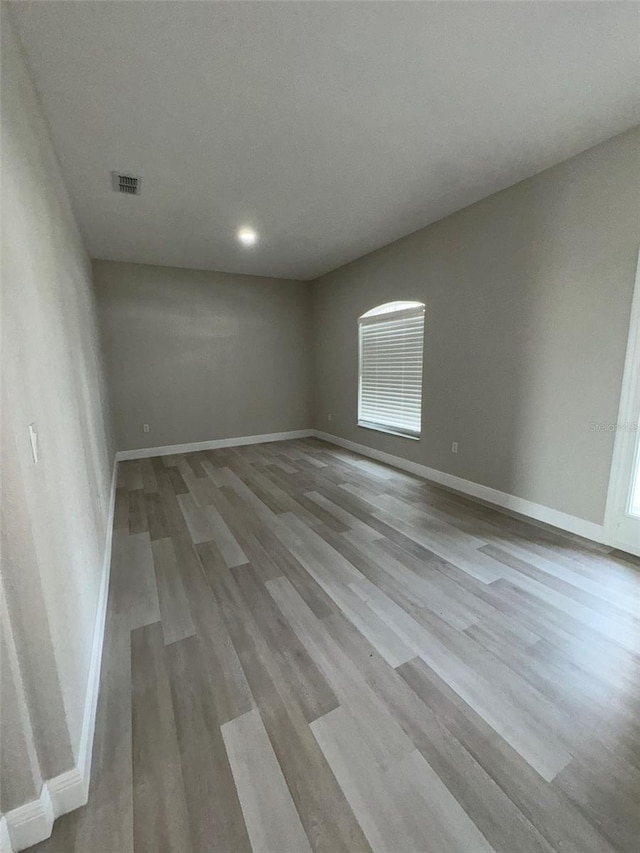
(33, 438)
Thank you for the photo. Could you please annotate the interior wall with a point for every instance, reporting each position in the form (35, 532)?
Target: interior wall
(203, 355)
(528, 296)
(54, 513)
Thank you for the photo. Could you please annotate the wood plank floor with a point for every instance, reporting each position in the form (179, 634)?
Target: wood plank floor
(310, 651)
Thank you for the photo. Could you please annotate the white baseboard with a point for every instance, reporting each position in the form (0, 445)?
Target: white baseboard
(539, 512)
(30, 823)
(5, 841)
(617, 541)
(238, 441)
(64, 788)
(33, 822)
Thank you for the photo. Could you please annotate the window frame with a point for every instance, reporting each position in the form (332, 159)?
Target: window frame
(375, 316)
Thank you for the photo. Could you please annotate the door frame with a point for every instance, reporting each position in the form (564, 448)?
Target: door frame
(625, 448)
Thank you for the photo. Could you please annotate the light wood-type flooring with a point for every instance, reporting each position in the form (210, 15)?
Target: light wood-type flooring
(310, 651)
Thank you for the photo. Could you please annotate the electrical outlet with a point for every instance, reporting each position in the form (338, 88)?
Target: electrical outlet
(329, 417)
(454, 446)
(145, 427)
(33, 438)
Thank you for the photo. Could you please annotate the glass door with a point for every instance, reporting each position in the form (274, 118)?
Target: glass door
(622, 522)
(634, 501)
(626, 525)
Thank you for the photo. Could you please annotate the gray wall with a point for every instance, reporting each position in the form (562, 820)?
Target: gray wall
(54, 513)
(203, 355)
(528, 297)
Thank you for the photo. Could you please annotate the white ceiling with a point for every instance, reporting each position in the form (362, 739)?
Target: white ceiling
(331, 127)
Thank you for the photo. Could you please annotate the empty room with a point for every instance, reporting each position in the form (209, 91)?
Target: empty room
(320, 467)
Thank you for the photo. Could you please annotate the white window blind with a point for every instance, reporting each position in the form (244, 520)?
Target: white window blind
(391, 353)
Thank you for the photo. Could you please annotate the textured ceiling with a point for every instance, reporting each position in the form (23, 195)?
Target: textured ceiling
(332, 128)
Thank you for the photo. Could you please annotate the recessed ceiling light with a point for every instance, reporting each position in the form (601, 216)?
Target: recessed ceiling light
(247, 236)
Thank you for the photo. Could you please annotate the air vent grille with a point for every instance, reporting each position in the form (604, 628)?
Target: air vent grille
(127, 184)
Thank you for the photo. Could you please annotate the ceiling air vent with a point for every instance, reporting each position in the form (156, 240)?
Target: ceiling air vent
(127, 184)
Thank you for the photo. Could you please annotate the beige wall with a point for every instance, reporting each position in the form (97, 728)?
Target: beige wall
(54, 513)
(528, 295)
(203, 355)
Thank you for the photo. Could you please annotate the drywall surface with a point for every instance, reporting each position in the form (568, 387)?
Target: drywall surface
(203, 355)
(528, 296)
(54, 513)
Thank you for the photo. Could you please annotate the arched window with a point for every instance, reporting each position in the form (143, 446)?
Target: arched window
(390, 376)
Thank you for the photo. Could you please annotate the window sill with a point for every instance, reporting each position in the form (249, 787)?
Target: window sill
(388, 431)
